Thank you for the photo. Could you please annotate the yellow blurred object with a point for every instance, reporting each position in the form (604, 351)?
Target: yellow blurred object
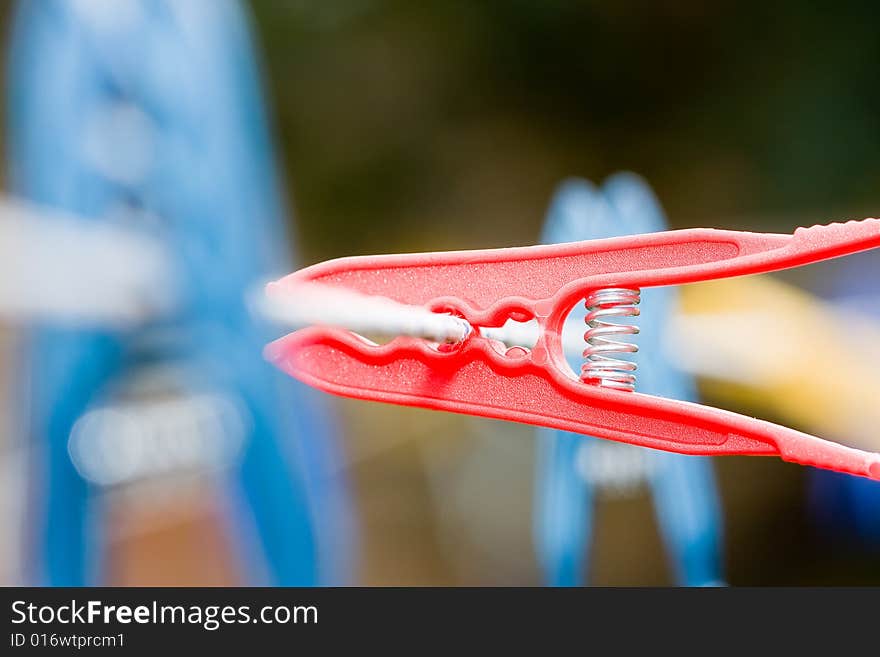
(770, 346)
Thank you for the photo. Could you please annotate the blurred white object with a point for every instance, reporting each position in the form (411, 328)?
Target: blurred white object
(132, 440)
(69, 271)
(616, 468)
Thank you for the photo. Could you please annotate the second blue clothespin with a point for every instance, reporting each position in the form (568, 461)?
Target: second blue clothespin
(571, 467)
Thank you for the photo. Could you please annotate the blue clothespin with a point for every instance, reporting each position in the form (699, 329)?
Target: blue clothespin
(569, 466)
(846, 503)
(153, 108)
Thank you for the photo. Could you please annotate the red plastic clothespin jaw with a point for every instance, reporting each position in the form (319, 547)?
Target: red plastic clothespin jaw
(480, 377)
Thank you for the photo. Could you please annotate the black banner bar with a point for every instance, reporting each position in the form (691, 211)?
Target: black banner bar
(416, 620)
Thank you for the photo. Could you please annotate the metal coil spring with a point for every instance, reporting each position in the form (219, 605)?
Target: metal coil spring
(601, 366)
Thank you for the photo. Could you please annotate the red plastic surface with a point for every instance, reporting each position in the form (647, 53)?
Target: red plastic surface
(479, 377)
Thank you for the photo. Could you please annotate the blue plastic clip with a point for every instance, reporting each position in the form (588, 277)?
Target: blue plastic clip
(569, 466)
(187, 72)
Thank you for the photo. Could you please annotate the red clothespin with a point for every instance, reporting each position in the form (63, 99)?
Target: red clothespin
(479, 376)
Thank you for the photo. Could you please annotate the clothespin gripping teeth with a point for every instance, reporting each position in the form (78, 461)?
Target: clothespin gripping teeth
(536, 386)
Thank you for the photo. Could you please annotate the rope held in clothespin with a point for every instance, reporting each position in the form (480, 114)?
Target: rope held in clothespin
(314, 303)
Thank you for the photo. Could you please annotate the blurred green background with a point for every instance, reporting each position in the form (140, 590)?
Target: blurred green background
(448, 123)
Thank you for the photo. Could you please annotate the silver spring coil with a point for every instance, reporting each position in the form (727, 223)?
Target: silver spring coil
(601, 365)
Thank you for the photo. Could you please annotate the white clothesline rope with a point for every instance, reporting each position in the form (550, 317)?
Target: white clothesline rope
(317, 304)
(313, 303)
